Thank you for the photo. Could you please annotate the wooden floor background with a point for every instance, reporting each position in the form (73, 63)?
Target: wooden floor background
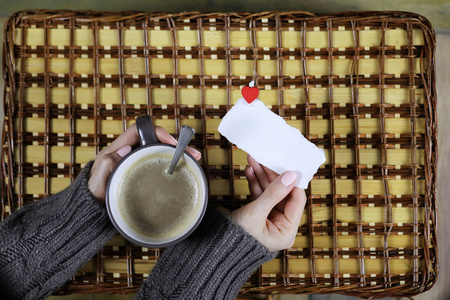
(437, 11)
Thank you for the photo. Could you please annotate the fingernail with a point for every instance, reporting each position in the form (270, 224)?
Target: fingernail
(195, 151)
(124, 151)
(174, 140)
(288, 178)
(251, 169)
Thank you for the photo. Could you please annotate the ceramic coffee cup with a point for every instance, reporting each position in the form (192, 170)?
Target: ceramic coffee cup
(149, 147)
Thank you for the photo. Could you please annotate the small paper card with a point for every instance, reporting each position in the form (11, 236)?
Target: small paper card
(271, 141)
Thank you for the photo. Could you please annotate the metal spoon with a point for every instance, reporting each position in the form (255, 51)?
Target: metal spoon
(186, 135)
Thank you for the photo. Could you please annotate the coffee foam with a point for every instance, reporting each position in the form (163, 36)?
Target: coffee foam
(158, 208)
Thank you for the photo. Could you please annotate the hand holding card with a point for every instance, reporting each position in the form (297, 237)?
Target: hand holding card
(271, 141)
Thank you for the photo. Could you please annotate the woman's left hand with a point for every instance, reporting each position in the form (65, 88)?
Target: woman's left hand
(274, 215)
(108, 158)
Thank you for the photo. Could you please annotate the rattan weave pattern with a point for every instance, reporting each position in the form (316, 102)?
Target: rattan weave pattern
(360, 85)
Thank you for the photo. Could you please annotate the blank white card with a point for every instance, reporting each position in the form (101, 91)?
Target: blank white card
(271, 141)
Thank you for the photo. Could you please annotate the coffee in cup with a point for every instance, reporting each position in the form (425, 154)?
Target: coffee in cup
(157, 204)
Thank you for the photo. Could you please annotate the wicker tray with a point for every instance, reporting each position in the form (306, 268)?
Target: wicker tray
(359, 85)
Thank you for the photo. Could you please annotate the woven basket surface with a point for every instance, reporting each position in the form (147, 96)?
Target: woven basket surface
(359, 85)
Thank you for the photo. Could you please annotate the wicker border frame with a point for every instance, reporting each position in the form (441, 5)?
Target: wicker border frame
(430, 267)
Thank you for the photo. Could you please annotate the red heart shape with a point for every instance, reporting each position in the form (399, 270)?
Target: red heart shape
(250, 93)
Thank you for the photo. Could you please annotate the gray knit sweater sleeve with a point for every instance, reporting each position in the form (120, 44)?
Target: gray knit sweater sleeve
(43, 244)
(213, 263)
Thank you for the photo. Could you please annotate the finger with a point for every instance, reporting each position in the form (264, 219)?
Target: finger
(276, 209)
(124, 151)
(253, 184)
(109, 161)
(287, 222)
(285, 227)
(101, 171)
(261, 175)
(194, 152)
(297, 193)
(271, 174)
(294, 206)
(280, 206)
(164, 137)
(276, 192)
(128, 138)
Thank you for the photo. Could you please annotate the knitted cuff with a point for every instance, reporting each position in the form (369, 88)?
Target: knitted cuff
(213, 263)
(43, 244)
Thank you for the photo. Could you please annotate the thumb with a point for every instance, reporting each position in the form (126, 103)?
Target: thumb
(105, 162)
(115, 157)
(102, 169)
(276, 192)
(124, 151)
(110, 160)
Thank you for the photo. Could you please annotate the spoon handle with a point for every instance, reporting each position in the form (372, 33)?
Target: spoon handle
(186, 135)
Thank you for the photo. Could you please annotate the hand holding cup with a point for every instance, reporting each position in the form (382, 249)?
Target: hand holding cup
(108, 158)
(148, 206)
